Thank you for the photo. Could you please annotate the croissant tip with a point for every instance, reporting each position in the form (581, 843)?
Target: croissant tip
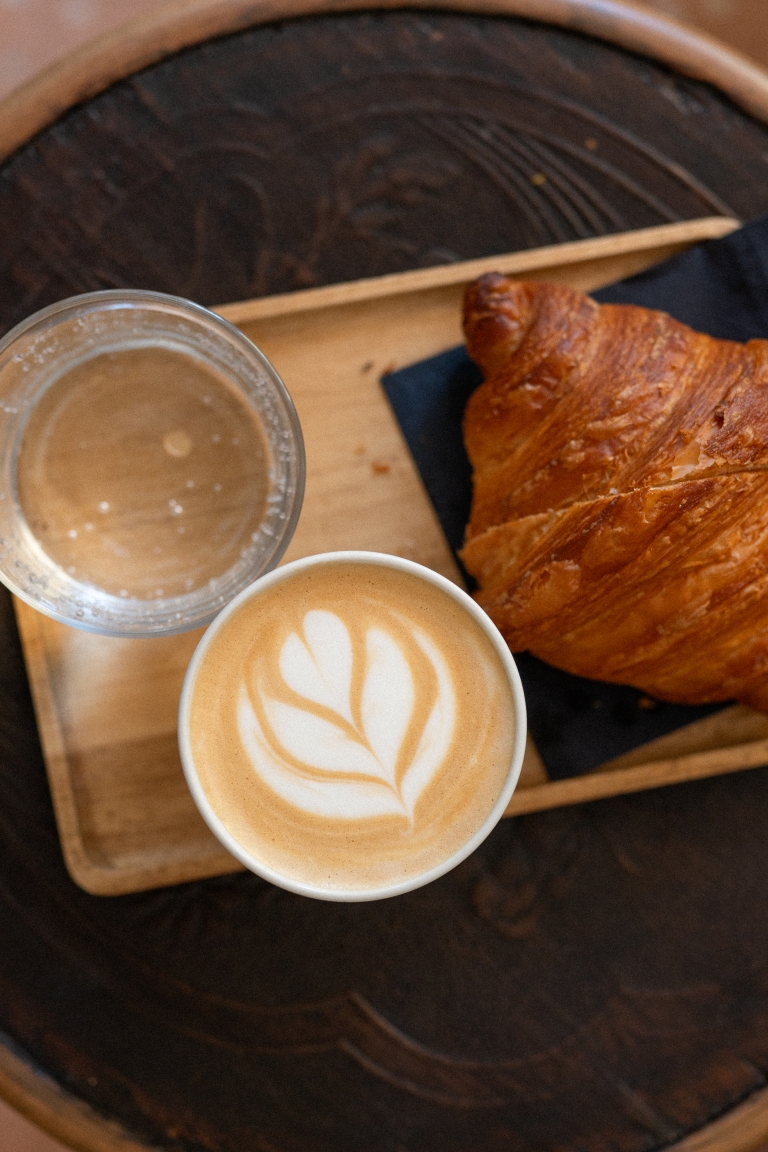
(488, 286)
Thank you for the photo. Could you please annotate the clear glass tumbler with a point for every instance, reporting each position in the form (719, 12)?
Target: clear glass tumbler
(151, 463)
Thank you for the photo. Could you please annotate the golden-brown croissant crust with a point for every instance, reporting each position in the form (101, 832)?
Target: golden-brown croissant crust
(619, 524)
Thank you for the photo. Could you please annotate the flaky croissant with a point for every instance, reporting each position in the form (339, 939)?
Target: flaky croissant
(619, 523)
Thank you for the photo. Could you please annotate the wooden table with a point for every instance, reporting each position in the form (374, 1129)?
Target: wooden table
(592, 978)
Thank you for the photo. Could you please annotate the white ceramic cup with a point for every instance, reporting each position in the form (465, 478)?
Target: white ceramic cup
(284, 575)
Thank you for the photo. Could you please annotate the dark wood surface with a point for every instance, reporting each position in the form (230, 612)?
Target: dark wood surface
(593, 978)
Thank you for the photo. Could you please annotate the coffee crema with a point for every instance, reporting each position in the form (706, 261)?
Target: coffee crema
(352, 726)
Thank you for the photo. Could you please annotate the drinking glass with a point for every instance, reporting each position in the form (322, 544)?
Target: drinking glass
(151, 463)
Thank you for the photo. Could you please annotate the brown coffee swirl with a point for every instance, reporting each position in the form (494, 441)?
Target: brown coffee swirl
(352, 726)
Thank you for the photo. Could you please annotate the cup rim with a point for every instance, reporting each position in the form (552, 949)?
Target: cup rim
(218, 827)
(168, 615)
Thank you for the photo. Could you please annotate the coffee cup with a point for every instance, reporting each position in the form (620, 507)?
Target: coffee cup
(352, 726)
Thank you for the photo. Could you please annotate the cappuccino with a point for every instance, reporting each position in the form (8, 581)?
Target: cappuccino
(352, 726)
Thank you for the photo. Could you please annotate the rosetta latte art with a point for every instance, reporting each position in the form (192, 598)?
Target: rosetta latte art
(353, 724)
(333, 732)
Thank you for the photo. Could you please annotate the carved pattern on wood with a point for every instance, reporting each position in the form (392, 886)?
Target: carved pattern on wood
(583, 982)
(554, 182)
(534, 873)
(369, 186)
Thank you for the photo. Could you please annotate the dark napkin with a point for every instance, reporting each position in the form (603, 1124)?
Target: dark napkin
(719, 287)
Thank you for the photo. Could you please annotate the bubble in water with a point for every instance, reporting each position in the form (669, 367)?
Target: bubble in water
(178, 443)
(103, 506)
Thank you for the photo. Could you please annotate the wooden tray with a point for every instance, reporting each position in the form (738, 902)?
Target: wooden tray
(106, 708)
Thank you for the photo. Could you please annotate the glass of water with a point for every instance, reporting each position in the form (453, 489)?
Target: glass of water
(151, 463)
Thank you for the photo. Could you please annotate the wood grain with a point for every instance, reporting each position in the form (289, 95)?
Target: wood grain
(590, 263)
(595, 976)
(142, 42)
(56, 1111)
(744, 1129)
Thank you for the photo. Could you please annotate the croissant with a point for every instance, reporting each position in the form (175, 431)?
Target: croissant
(619, 521)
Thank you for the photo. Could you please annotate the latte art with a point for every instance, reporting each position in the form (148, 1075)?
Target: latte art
(352, 745)
(349, 725)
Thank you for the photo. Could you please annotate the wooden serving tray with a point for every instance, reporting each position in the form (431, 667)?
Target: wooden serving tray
(106, 708)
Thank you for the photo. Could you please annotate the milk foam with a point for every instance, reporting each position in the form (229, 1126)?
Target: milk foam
(351, 726)
(335, 756)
